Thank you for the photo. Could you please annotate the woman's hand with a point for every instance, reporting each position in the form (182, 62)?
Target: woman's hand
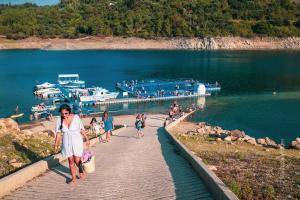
(56, 143)
(55, 149)
(87, 142)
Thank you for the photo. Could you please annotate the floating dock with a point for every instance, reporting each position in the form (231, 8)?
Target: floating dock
(135, 100)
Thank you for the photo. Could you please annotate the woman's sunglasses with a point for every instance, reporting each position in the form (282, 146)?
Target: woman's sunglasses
(66, 113)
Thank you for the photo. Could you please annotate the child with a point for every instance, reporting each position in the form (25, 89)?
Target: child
(138, 125)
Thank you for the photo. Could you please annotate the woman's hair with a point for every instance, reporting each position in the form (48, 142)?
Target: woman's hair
(94, 120)
(65, 107)
(61, 108)
(103, 116)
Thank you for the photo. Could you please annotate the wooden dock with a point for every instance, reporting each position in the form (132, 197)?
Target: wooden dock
(136, 100)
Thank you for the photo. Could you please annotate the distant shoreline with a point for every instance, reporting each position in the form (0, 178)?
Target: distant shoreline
(119, 43)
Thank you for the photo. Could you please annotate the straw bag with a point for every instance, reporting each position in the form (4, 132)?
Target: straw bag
(88, 159)
(89, 166)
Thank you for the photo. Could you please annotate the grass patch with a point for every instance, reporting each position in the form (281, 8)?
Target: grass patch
(251, 172)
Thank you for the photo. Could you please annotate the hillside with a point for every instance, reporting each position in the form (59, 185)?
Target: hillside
(152, 19)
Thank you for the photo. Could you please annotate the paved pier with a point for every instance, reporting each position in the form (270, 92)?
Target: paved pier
(126, 168)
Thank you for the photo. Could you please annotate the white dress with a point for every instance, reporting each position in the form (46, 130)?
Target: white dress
(72, 140)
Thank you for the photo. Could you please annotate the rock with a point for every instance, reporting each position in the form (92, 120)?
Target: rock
(27, 132)
(278, 146)
(16, 165)
(261, 141)
(212, 167)
(233, 138)
(43, 134)
(294, 143)
(228, 139)
(298, 140)
(252, 141)
(237, 133)
(297, 146)
(9, 124)
(218, 139)
(4, 157)
(200, 131)
(12, 161)
(270, 142)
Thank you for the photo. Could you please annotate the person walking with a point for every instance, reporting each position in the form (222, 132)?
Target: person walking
(138, 125)
(70, 128)
(108, 125)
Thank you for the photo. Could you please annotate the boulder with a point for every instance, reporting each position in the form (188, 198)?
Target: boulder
(297, 146)
(294, 143)
(228, 139)
(27, 132)
(218, 139)
(238, 133)
(212, 167)
(252, 141)
(16, 165)
(261, 141)
(233, 138)
(298, 140)
(278, 146)
(270, 142)
(201, 131)
(12, 161)
(9, 124)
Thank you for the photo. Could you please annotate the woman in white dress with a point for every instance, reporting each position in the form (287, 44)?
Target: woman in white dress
(71, 129)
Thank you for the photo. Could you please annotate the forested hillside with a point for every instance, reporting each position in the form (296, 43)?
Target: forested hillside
(152, 18)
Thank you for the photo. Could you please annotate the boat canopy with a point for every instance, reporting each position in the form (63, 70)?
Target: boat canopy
(68, 77)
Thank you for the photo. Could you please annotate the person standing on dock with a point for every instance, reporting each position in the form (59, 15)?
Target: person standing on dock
(108, 125)
(71, 129)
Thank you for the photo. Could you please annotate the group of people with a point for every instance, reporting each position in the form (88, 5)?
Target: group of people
(175, 111)
(107, 124)
(140, 123)
(70, 130)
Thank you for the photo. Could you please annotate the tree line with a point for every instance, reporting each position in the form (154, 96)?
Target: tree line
(152, 18)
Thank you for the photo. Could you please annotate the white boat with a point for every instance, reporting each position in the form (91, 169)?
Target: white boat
(42, 107)
(99, 94)
(44, 86)
(46, 92)
(17, 115)
(70, 81)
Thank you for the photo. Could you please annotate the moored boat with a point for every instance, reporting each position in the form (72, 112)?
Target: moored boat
(17, 115)
(99, 94)
(70, 81)
(42, 107)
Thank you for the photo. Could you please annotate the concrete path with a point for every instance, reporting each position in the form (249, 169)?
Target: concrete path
(126, 168)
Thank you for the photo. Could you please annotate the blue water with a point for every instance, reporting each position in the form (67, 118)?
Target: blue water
(245, 102)
(38, 2)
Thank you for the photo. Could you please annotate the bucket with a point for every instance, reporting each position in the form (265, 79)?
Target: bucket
(89, 167)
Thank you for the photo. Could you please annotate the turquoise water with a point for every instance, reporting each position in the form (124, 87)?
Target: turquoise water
(38, 2)
(245, 102)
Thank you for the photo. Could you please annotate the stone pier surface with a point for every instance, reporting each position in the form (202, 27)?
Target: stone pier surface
(126, 168)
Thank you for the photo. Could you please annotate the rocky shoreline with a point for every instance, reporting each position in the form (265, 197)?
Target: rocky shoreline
(207, 43)
(205, 130)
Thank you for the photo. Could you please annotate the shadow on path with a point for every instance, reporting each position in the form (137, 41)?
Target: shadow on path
(188, 185)
(52, 162)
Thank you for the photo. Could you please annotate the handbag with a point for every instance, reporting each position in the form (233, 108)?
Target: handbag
(88, 160)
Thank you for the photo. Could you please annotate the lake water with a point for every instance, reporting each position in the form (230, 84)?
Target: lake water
(38, 2)
(248, 79)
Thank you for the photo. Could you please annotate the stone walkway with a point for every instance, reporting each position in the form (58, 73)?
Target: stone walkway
(126, 168)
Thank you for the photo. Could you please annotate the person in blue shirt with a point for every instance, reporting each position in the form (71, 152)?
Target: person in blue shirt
(108, 125)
